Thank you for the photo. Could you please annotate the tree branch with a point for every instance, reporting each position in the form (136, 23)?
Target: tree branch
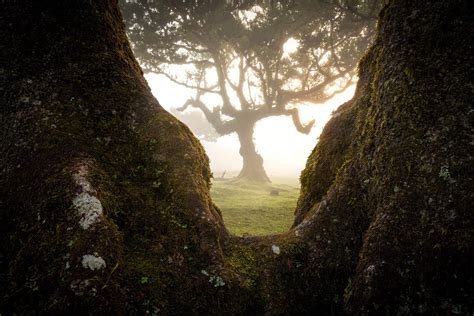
(227, 107)
(304, 129)
(213, 117)
(294, 113)
(240, 86)
(286, 96)
(206, 90)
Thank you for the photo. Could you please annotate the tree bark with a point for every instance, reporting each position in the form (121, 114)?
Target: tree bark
(252, 168)
(104, 196)
(99, 186)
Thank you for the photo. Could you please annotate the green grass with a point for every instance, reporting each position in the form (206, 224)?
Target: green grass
(248, 207)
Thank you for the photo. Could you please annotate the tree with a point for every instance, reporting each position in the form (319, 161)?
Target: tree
(258, 60)
(104, 196)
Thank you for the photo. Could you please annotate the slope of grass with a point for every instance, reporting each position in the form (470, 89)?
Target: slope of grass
(249, 208)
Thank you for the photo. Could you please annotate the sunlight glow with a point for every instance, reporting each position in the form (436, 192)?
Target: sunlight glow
(283, 149)
(290, 46)
(248, 16)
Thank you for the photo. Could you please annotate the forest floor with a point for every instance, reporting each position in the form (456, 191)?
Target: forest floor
(250, 208)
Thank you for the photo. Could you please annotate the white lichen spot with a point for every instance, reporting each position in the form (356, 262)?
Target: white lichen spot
(93, 262)
(276, 249)
(87, 205)
(89, 209)
(216, 280)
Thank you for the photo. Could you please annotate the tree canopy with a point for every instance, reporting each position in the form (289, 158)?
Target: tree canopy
(260, 58)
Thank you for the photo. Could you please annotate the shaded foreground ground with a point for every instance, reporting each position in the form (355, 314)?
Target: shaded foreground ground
(250, 208)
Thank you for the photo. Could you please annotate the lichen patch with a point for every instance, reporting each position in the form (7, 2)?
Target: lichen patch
(276, 249)
(89, 209)
(93, 262)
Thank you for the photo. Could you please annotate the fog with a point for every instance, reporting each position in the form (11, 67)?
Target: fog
(284, 150)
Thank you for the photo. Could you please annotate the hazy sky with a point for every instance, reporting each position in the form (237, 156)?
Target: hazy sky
(284, 150)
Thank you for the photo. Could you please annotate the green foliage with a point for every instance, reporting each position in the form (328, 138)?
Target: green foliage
(260, 58)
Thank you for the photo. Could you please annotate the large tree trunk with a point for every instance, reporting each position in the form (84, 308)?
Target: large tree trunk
(252, 168)
(104, 197)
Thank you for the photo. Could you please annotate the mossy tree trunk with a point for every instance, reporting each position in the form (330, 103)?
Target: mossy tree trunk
(104, 196)
(252, 162)
(99, 186)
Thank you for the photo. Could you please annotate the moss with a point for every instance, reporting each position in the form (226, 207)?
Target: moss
(381, 167)
(245, 262)
(322, 167)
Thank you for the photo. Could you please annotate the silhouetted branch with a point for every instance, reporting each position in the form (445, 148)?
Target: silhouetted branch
(227, 107)
(302, 95)
(207, 90)
(305, 129)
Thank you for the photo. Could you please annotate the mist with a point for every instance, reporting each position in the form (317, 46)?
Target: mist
(284, 150)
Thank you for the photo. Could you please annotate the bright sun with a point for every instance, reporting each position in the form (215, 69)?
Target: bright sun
(290, 46)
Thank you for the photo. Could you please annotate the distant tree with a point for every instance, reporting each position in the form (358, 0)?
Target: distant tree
(261, 58)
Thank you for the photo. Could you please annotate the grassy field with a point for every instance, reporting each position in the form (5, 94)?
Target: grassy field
(249, 208)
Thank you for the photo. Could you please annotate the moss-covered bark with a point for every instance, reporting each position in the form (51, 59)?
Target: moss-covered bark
(104, 197)
(397, 157)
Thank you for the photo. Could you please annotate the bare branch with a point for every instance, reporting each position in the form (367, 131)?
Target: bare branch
(213, 117)
(240, 86)
(202, 63)
(305, 129)
(227, 107)
(304, 82)
(294, 113)
(191, 48)
(207, 90)
(286, 96)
